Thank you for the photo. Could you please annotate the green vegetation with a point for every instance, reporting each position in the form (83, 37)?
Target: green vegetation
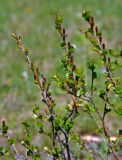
(35, 23)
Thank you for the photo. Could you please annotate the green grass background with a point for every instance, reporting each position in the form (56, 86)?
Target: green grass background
(34, 21)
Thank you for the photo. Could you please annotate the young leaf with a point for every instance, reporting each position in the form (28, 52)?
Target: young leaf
(4, 128)
(86, 15)
(102, 94)
(11, 141)
(120, 132)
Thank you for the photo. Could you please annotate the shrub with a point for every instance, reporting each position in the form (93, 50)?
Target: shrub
(85, 97)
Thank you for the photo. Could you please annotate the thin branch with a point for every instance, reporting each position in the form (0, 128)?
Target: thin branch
(66, 143)
(61, 146)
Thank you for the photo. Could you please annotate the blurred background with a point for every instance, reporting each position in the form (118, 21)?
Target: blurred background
(34, 21)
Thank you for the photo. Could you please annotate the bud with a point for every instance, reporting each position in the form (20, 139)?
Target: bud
(109, 60)
(96, 29)
(63, 31)
(71, 59)
(70, 107)
(14, 35)
(3, 123)
(69, 45)
(74, 99)
(91, 22)
(100, 39)
(103, 46)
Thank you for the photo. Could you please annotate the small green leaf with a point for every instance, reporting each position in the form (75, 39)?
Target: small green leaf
(120, 132)
(94, 75)
(11, 141)
(26, 51)
(106, 110)
(90, 158)
(91, 65)
(63, 44)
(35, 109)
(79, 92)
(72, 49)
(7, 151)
(99, 34)
(1, 151)
(29, 152)
(117, 90)
(121, 53)
(90, 30)
(76, 114)
(89, 108)
(100, 130)
(102, 94)
(27, 127)
(119, 111)
(40, 126)
(58, 22)
(1, 148)
(36, 157)
(86, 15)
(4, 128)
(26, 124)
(40, 117)
(57, 124)
(68, 125)
(56, 152)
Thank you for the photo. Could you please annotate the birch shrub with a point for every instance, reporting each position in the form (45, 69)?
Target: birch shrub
(84, 97)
